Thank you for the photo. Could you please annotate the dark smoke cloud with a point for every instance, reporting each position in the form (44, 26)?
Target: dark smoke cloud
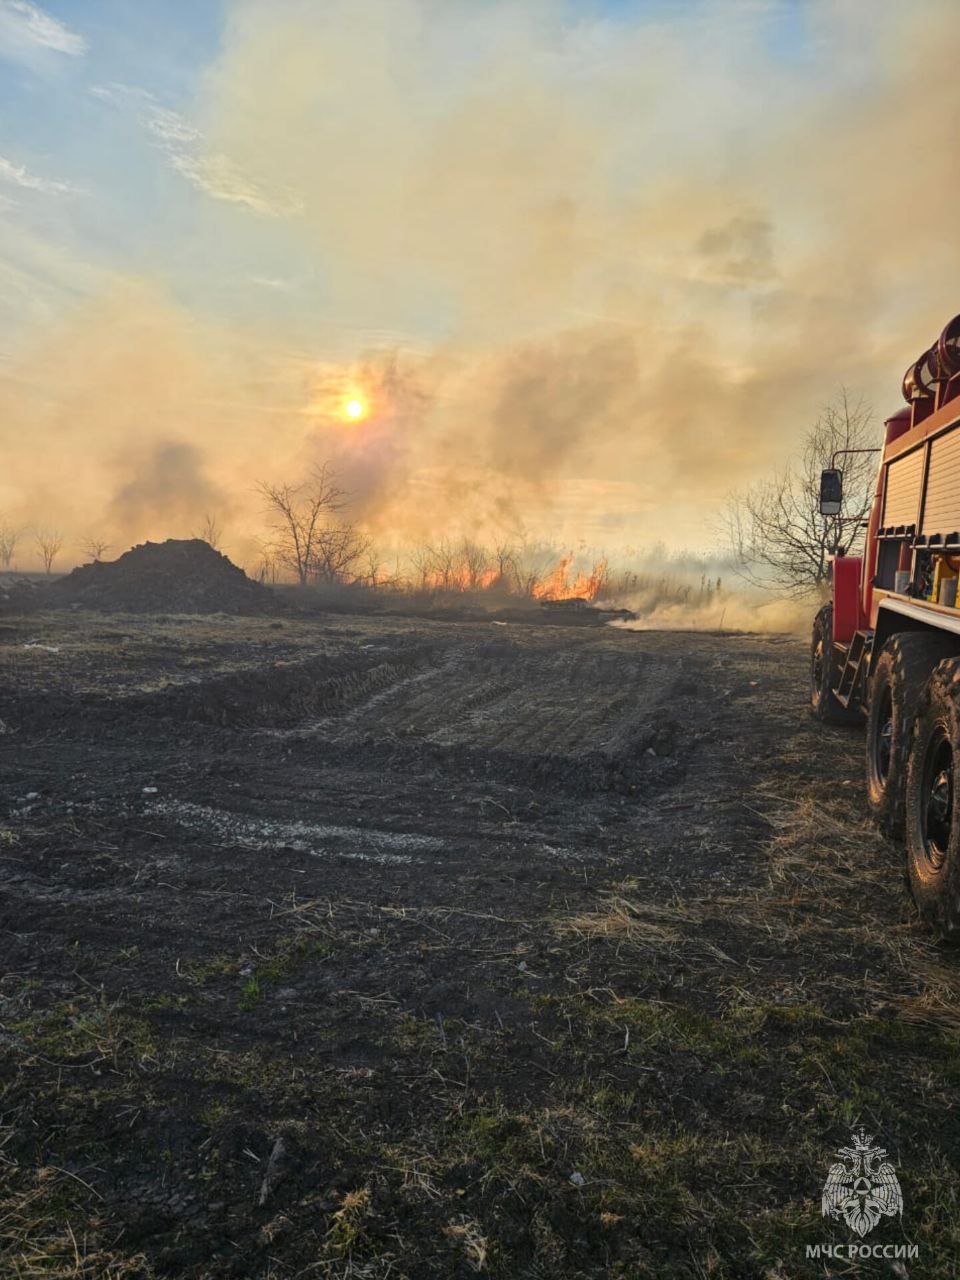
(168, 491)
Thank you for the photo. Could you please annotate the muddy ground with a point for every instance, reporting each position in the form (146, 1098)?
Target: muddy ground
(389, 948)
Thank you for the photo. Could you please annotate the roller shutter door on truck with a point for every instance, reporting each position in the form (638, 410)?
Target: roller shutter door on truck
(901, 503)
(941, 507)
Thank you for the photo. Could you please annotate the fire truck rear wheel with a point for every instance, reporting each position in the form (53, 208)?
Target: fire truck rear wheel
(902, 669)
(825, 673)
(933, 802)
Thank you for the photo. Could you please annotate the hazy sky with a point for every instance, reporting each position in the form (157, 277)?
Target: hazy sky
(589, 264)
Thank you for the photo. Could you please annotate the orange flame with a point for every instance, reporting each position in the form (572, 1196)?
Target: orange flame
(558, 585)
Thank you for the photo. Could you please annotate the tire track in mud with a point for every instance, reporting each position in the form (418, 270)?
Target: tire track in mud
(285, 695)
(510, 701)
(432, 765)
(559, 746)
(277, 694)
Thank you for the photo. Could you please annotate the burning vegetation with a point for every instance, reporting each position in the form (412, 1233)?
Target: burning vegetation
(410, 870)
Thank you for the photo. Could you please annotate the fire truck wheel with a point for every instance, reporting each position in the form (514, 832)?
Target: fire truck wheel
(825, 672)
(933, 801)
(902, 669)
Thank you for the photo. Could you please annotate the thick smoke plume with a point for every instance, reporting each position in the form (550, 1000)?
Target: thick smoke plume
(589, 272)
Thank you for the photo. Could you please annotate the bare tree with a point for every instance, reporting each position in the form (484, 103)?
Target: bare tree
(775, 532)
(299, 514)
(437, 565)
(9, 537)
(419, 566)
(94, 546)
(338, 549)
(266, 570)
(49, 542)
(528, 571)
(370, 575)
(507, 562)
(374, 574)
(211, 531)
(475, 565)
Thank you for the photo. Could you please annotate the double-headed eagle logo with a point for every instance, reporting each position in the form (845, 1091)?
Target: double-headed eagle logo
(862, 1187)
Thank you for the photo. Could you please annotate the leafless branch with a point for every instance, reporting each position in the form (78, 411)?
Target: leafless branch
(211, 531)
(94, 546)
(778, 538)
(9, 537)
(49, 542)
(306, 541)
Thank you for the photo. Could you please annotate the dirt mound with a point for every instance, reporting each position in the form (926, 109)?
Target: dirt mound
(176, 576)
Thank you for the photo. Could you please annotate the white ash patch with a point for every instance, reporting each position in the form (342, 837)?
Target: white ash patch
(317, 839)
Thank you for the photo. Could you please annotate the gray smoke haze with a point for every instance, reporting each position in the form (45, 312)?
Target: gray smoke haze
(169, 487)
(619, 266)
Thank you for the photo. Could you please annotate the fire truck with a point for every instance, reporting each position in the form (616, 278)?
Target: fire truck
(886, 649)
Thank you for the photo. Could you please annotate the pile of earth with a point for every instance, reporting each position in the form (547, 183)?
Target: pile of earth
(177, 576)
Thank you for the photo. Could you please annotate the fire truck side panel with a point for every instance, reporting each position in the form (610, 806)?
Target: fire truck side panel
(941, 506)
(901, 503)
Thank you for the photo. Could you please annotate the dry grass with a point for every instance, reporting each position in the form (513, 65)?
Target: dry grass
(637, 924)
(832, 898)
(470, 1238)
(47, 1231)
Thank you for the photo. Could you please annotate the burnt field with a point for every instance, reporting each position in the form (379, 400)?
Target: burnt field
(361, 947)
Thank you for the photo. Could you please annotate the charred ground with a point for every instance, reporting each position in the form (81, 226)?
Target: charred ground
(377, 947)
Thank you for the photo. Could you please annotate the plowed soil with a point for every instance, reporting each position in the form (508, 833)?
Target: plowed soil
(384, 947)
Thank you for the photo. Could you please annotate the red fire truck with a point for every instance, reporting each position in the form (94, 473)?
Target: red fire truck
(886, 649)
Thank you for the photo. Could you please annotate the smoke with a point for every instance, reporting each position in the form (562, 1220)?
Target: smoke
(170, 486)
(738, 611)
(370, 457)
(619, 263)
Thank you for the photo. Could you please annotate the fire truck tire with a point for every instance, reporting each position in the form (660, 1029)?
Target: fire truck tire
(902, 670)
(933, 802)
(825, 672)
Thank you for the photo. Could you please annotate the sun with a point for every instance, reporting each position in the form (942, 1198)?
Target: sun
(355, 410)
